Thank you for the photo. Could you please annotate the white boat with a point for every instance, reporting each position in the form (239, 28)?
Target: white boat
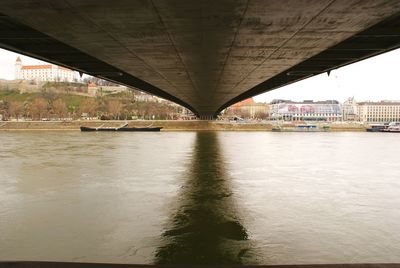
(394, 127)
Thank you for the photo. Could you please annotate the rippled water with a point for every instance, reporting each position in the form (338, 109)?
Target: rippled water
(200, 198)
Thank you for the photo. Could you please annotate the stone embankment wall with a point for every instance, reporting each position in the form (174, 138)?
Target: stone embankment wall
(348, 127)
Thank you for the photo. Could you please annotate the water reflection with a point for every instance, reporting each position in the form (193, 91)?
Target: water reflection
(205, 227)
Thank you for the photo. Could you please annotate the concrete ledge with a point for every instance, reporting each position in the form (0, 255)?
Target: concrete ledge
(33, 264)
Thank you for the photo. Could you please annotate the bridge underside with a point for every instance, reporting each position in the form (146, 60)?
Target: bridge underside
(204, 55)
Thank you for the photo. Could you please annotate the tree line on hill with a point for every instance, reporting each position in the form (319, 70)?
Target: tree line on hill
(50, 106)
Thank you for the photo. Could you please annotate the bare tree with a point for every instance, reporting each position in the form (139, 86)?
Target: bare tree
(114, 108)
(60, 108)
(243, 113)
(98, 81)
(261, 115)
(88, 106)
(39, 108)
(15, 109)
(229, 112)
(3, 110)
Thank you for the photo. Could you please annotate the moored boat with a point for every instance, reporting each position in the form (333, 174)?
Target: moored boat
(301, 128)
(124, 127)
(377, 128)
(394, 127)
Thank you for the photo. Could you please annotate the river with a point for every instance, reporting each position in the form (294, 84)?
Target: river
(200, 197)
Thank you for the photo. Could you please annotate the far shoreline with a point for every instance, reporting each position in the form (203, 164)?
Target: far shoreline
(167, 125)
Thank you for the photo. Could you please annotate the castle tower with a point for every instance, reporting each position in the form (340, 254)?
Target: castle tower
(18, 67)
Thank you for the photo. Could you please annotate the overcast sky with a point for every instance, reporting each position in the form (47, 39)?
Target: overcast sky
(377, 78)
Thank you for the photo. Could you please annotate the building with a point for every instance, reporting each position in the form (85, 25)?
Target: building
(329, 110)
(379, 112)
(45, 72)
(349, 110)
(92, 89)
(249, 109)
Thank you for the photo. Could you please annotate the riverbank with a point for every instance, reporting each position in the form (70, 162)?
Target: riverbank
(167, 125)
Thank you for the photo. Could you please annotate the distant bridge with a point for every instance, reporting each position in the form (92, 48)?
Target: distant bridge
(204, 54)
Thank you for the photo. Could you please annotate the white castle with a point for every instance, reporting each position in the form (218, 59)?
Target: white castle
(46, 72)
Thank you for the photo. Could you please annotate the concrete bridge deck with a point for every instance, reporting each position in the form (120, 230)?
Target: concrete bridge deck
(204, 55)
